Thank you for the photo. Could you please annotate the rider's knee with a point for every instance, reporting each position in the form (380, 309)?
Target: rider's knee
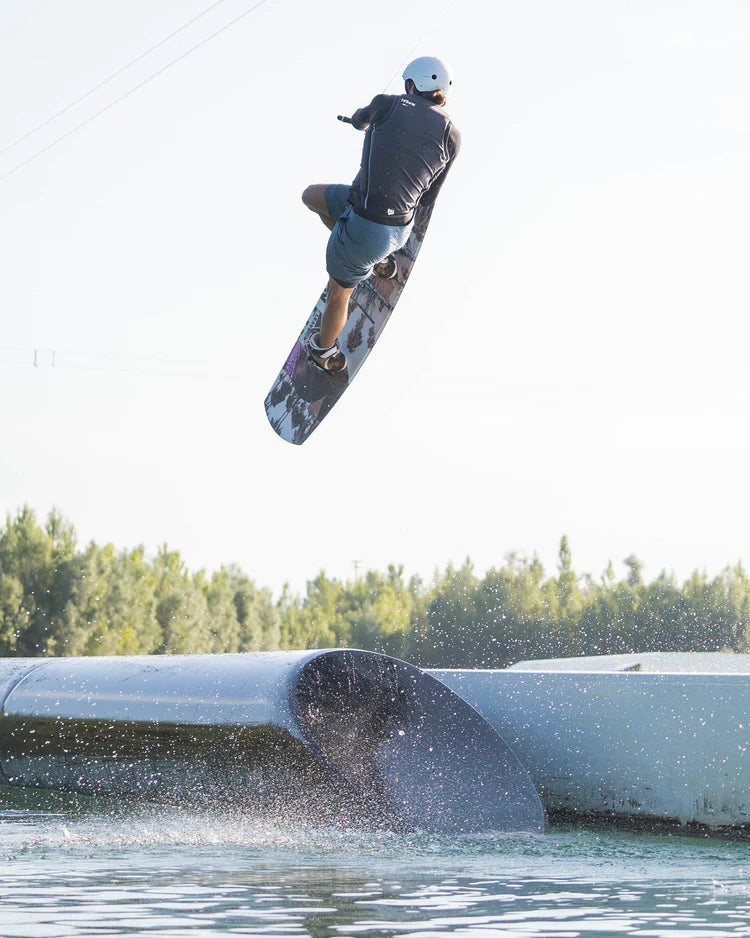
(308, 197)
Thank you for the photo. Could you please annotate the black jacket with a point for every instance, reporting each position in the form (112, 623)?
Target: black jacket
(409, 147)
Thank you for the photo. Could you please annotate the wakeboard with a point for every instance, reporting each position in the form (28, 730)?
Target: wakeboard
(303, 394)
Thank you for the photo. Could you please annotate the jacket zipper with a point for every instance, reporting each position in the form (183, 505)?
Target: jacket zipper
(369, 166)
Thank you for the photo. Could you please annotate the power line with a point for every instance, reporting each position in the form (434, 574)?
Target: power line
(417, 43)
(127, 94)
(110, 78)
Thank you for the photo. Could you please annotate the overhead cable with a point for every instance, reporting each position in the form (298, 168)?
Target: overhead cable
(424, 35)
(107, 80)
(127, 94)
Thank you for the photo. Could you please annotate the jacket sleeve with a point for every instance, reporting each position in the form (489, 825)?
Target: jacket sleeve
(454, 147)
(373, 112)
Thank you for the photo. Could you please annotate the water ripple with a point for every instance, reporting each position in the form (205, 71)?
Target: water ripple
(74, 872)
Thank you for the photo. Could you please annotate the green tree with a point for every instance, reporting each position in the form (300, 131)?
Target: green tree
(737, 587)
(666, 618)
(224, 625)
(112, 609)
(514, 607)
(14, 615)
(569, 601)
(379, 609)
(55, 599)
(36, 577)
(258, 616)
(316, 621)
(635, 570)
(720, 610)
(181, 607)
(608, 621)
(449, 633)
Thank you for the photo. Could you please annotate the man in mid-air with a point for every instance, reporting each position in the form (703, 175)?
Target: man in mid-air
(410, 144)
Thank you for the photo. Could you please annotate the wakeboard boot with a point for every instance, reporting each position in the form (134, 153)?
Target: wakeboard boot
(330, 359)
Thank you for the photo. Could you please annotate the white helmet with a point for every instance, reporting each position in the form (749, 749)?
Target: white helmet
(429, 74)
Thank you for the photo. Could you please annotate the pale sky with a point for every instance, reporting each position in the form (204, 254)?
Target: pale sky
(570, 355)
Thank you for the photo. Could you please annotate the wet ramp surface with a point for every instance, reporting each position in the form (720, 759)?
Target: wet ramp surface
(342, 734)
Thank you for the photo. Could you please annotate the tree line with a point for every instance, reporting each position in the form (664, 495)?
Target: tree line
(59, 599)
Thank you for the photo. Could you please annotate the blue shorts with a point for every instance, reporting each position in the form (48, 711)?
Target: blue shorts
(356, 243)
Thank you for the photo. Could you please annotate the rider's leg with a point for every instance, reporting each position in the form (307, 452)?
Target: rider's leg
(314, 198)
(335, 315)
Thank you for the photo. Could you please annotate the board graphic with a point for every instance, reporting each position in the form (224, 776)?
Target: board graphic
(302, 394)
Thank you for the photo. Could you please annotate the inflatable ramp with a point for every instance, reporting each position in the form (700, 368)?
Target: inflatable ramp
(337, 735)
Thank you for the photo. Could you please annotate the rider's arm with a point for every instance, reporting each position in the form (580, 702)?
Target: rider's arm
(373, 112)
(453, 146)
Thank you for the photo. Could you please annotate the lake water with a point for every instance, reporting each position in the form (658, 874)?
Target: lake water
(103, 870)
